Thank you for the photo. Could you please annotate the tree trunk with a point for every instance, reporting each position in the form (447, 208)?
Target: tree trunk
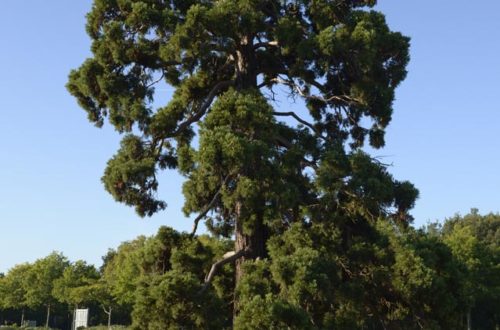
(254, 243)
(22, 317)
(109, 318)
(246, 68)
(469, 321)
(48, 316)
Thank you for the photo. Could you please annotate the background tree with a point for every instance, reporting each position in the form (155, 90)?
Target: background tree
(251, 174)
(475, 242)
(72, 287)
(121, 270)
(13, 289)
(42, 277)
(100, 291)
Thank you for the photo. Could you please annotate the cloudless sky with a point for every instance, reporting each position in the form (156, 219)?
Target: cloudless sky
(444, 137)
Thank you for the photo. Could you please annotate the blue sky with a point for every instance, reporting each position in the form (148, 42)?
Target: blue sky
(444, 136)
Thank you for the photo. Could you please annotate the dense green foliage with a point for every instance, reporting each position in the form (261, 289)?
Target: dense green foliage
(251, 170)
(430, 278)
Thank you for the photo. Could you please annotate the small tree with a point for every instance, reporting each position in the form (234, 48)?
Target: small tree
(14, 287)
(42, 277)
(72, 287)
(100, 292)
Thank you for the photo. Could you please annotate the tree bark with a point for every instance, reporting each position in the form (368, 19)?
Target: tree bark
(48, 316)
(109, 318)
(469, 321)
(22, 317)
(246, 65)
(253, 243)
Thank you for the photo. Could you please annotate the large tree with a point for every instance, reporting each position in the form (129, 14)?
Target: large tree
(255, 168)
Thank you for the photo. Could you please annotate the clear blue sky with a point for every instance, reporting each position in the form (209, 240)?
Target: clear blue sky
(444, 136)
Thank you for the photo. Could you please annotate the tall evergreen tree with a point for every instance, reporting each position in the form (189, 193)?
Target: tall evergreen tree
(250, 174)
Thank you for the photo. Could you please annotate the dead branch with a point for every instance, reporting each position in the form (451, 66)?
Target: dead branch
(300, 120)
(303, 93)
(228, 257)
(265, 44)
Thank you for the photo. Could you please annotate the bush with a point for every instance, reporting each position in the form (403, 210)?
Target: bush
(105, 327)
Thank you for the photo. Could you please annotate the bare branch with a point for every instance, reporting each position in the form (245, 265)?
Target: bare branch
(302, 92)
(157, 80)
(228, 257)
(300, 120)
(106, 311)
(208, 207)
(266, 44)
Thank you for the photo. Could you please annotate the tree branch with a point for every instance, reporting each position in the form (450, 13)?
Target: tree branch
(295, 87)
(300, 120)
(265, 44)
(208, 207)
(157, 80)
(105, 311)
(203, 108)
(228, 257)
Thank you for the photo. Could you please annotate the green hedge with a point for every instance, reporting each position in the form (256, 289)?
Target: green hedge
(105, 327)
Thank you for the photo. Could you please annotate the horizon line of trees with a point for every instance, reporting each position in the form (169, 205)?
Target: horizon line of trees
(441, 276)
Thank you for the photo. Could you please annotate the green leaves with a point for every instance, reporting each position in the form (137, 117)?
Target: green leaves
(13, 287)
(341, 59)
(43, 275)
(130, 177)
(74, 287)
(160, 277)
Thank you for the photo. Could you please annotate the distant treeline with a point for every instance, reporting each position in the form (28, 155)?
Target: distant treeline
(443, 276)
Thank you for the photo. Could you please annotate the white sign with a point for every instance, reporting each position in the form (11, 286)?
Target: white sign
(81, 318)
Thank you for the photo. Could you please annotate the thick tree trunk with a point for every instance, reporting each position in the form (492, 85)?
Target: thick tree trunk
(469, 321)
(254, 243)
(246, 67)
(48, 316)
